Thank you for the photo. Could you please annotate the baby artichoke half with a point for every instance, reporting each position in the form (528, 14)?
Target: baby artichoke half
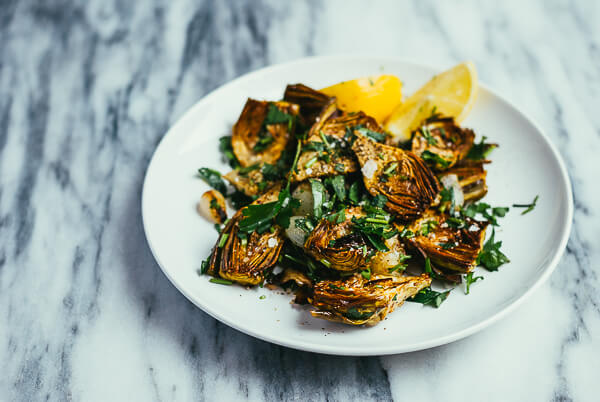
(441, 142)
(262, 131)
(327, 151)
(401, 176)
(450, 242)
(359, 301)
(243, 257)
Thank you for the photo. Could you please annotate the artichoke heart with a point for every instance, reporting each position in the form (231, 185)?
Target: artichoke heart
(262, 132)
(312, 102)
(244, 258)
(441, 142)
(358, 301)
(319, 158)
(471, 178)
(449, 242)
(401, 176)
(335, 244)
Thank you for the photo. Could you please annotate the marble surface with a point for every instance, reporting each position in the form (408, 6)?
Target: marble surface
(89, 88)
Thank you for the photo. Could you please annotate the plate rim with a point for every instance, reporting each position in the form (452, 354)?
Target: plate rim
(373, 350)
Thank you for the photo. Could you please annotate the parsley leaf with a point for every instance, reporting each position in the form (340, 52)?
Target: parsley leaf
(338, 184)
(481, 150)
(276, 116)
(227, 151)
(490, 256)
(318, 193)
(259, 217)
(374, 135)
(213, 179)
(429, 297)
(353, 314)
(469, 280)
(428, 137)
(434, 158)
(354, 193)
(366, 273)
(528, 206)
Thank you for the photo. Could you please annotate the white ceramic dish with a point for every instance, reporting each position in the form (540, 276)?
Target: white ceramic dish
(526, 164)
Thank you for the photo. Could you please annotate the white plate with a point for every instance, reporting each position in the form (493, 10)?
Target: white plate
(526, 164)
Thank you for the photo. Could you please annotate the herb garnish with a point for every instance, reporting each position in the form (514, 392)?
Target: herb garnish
(482, 208)
(401, 266)
(318, 193)
(434, 158)
(227, 150)
(469, 280)
(374, 135)
(353, 314)
(490, 256)
(428, 137)
(220, 281)
(213, 179)
(481, 150)
(429, 297)
(274, 116)
(529, 207)
(260, 217)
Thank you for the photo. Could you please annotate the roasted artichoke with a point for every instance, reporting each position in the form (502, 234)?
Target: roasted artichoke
(242, 257)
(450, 242)
(262, 131)
(358, 301)
(336, 245)
(401, 176)
(441, 142)
(327, 152)
(471, 178)
(312, 103)
(349, 216)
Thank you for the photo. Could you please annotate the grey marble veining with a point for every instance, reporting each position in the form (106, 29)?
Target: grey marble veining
(89, 88)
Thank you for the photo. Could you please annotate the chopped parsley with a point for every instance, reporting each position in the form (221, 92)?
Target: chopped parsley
(213, 179)
(469, 280)
(434, 158)
(429, 297)
(353, 314)
(318, 193)
(260, 217)
(220, 281)
(338, 183)
(529, 207)
(401, 266)
(227, 151)
(274, 116)
(374, 135)
(490, 256)
(487, 212)
(428, 137)
(481, 150)
(366, 273)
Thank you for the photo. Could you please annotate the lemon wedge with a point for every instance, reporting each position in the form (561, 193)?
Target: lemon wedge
(377, 96)
(451, 93)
